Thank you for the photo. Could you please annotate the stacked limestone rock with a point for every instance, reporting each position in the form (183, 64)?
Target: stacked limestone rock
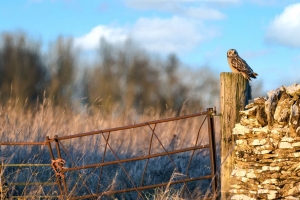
(267, 151)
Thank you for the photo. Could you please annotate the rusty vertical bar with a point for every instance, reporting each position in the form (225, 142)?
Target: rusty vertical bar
(196, 142)
(103, 158)
(52, 158)
(212, 148)
(149, 153)
(59, 157)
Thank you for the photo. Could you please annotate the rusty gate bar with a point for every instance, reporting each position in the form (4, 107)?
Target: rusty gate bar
(143, 187)
(79, 174)
(52, 158)
(130, 126)
(22, 143)
(62, 176)
(187, 169)
(136, 159)
(212, 150)
(29, 165)
(149, 153)
(103, 158)
(208, 116)
(25, 165)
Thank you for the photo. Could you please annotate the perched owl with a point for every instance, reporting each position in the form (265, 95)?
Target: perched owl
(238, 65)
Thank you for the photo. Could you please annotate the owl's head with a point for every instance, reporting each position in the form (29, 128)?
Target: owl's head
(232, 53)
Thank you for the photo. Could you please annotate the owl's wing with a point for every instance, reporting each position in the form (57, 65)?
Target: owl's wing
(241, 65)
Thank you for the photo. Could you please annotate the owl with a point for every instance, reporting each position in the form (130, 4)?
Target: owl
(238, 65)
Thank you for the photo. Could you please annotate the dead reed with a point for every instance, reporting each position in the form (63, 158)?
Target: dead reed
(22, 125)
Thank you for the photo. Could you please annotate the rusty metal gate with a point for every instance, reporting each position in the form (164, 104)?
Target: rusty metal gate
(94, 165)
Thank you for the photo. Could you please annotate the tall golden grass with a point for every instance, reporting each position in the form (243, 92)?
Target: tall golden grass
(27, 125)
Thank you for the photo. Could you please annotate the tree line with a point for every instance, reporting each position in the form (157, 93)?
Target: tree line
(120, 76)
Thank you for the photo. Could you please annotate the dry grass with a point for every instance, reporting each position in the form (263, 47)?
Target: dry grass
(47, 120)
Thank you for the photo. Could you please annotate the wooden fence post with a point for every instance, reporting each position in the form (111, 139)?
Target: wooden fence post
(234, 95)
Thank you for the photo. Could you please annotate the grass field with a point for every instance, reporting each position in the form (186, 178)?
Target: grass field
(18, 125)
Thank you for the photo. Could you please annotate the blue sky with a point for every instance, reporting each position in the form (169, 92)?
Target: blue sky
(266, 33)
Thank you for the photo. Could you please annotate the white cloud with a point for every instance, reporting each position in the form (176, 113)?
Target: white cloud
(203, 13)
(158, 35)
(91, 40)
(285, 28)
(168, 35)
(180, 33)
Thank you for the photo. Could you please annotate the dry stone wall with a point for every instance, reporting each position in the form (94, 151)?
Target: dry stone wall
(267, 151)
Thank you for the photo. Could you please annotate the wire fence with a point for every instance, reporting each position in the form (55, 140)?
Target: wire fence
(128, 162)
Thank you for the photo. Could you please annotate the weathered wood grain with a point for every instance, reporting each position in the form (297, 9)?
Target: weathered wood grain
(234, 93)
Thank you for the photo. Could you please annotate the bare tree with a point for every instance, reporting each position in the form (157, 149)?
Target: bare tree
(62, 65)
(23, 74)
